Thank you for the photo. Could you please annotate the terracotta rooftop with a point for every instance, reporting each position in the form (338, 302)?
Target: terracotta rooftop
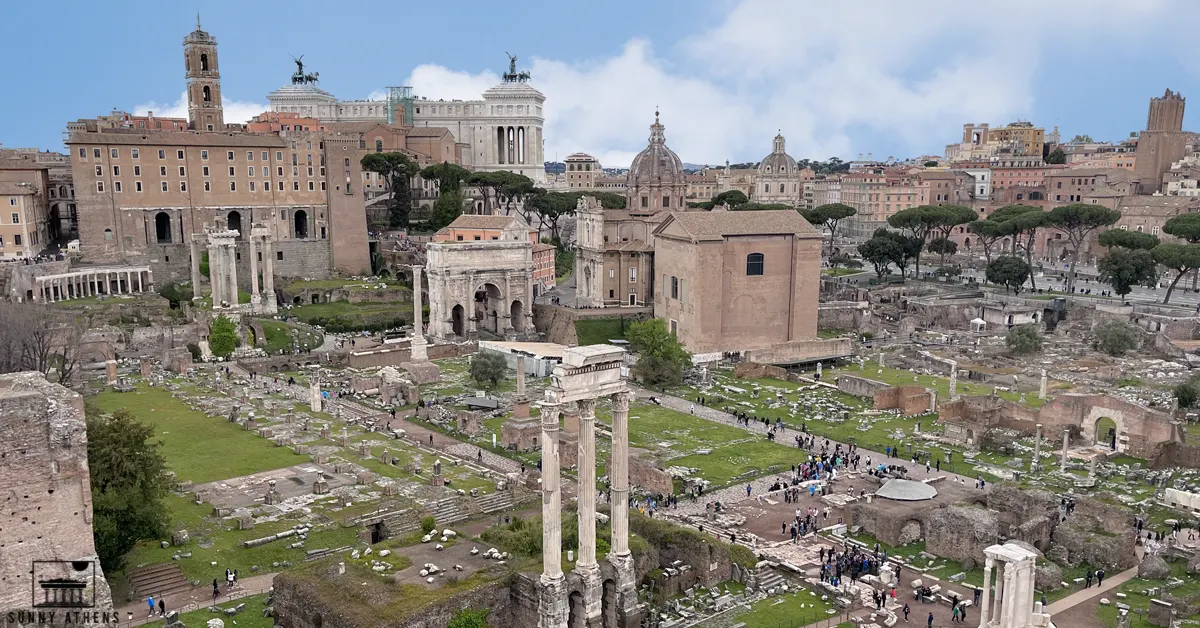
(175, 138)
(475, 221)
(717, 225)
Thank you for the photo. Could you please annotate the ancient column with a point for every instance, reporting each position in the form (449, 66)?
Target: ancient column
(417, 353)
(1042, 389)
(953, 381)
(111, 370)
(587, 485)
(269, 270)
(1066, 444)
(233, 285)
(254, 297)
(618, 475)
(314, 396)
(1037, 449)
(520, 375)
(881, 358)
(551, 497)
(215, 268)
(985, 598)
(1002, 577)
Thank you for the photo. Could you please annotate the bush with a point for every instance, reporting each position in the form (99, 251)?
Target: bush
(1023, 340)
(428, 524)
(1117, 338)
(222, 337)
(1186, 394)
(488, 368)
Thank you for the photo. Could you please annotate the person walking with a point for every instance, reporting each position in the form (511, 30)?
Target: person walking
(962, 614)
(1088, 579)
(929, 622)
(954, 614)
(150, 602)
(1099, 577)
(906, 610)
(162, 605)
(216, 590)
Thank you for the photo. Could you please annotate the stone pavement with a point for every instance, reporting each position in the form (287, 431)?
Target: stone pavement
(1083, 595)
(197, 598)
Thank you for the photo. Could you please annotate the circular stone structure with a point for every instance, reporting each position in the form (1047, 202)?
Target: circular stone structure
(906, 491)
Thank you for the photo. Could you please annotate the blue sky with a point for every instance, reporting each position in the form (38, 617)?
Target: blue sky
(871, 76)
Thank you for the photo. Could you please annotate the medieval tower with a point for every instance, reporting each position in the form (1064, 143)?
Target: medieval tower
(1162, 143)
(203, 81)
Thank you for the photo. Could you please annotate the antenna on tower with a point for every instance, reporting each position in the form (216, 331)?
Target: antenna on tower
(197, 20)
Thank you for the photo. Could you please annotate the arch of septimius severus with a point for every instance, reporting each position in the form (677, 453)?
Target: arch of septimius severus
(592, 595)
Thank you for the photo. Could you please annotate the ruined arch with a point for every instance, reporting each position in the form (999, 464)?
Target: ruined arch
(162, 228)
(458, 320)
(300, 224)
(516, 314)
(234, 221)
(577, 613)
(488, 303)
(1105, 431)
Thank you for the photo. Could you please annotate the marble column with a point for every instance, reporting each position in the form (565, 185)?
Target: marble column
(619, 475)
(1066, 444)
(231, 252)
(195, 250)
(953, 382)
(254, 298)
(986, 596)
(269, 272)
(417, 352)
(1042, 389)
(1037, 449)
(881, 358)
(215, 280)
(587, 484)
(1002, 577)
(551, 496)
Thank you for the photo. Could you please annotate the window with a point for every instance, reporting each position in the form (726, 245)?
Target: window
(311, 186)
(162, 171)
(1154, 230)
(295, 186)
(204, 154)
(207, 94)
(322, 186)
(295, 171)
(249, 155)
(250, 171)
(137, 186)
(231, 171)
(674, 287)
(164, 186)
(310, 171)
(99, 186)
(478, 238)
(134, 153)
(754, 264)
(99, 171)
(183, 186)
(207, 186)
(251, 186)
(666, 201)
(96, 153)
(137, 171)
(280, 171)
(279, 255)
(17, 239)
(278, 155)
(281, 186)
(612, 273)
(233, 186)
(16, 218)
(162, 154)
(83, 153)
(179, 154)
(264, 155)
(633, 274)
(182, 171)
(645, 202)
(116, 171)
(266, 172)
(114, 153)
(229, 155)
(204, 171)
(379, 146)
(459, 238)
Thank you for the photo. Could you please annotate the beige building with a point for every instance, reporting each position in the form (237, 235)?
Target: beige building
(779, 179)
(25, 221)
(582, 171)
(738, 281)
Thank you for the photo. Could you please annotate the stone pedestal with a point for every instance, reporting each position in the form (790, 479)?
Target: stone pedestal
(521, 407)
(320, 487)
(366, 477)
(110, 370)
(344, 439)
(364, 449)
(145, 368)
(325, 431)
(437, 480)
(520, 434)
(272, 497)
(553, 606)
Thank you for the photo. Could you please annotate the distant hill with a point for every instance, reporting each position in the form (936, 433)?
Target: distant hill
(555, 167)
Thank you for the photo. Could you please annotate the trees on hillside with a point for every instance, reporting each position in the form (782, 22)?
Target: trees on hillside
(396, 170)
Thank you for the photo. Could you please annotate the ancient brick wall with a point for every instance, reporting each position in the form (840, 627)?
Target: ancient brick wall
(859, 386)
(754, 370)
(45, 490)
(649, 476)
(910, 400)
(961, 532)
(1177, 455)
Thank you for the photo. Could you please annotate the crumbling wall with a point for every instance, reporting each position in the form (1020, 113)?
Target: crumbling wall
(754, 370)
(960, 532)
(910, 400)
(45, 487)
(1177, 455)
(1084, 539)
(860, 386)
(649, 476)
(1028, 515)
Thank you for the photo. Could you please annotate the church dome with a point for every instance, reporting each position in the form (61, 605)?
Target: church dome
(656, 163)
(778, 162)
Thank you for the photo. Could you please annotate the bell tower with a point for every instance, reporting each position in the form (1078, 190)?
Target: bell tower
(203, 81)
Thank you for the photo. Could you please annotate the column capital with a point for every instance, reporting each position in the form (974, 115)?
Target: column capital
(587, 409)
(550, 414)
(989, 563)
(620, 401)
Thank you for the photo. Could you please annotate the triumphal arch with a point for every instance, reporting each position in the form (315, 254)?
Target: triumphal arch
(484, 285)
(593, 595)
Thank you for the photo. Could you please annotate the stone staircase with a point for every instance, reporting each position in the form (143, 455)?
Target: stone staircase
(768, 578)
(158, 580)
(451, 510)
(494, 502)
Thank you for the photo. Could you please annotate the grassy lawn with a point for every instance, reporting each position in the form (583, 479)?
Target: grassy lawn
(901, 377)
(346, 316)
(598, 331)
(334, 284)
(279, 336)
(198, 447)
(842, 272)
(1107, 615)
(250, 617)
(791, 610)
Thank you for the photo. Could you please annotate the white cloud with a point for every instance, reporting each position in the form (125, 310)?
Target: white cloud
(236, 111)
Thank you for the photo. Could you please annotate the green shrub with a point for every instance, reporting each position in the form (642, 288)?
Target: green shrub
(428, 524)
(222, 337)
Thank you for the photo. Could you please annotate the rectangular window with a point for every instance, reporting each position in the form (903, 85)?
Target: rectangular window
(458, 238)
(311, 186)
(478, 238)
(250, 171)
(613, 273)
(310, 171)
(264, 155)
(17, 239)
(137, 171)
(233, 186)
(114, 153)
(645, 202)
(164, 186)
(279, 255)
(117, 186)
(99, 171)
(137, 186)
(293, 159)
(182, 171)
(162, 171)
(116, 171)
(666, 201)
(229, 155)
(674, 287)
(204, 171)
(231, 171)
(280, 170)
(633, 274)
(251, 186)
(278, 155)
(265, 172)
(179, 154)
(249, 155)
(99, 186)
(207, 186)
(183, 186)
(83, 153)
(295, 171)
(162, 154)
(96, 153)
(281, 186)
(134, 153)
(2, 237)
(322, 186)
(16, 218)
(204, 154)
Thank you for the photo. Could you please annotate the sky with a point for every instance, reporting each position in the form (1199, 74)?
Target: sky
(835, 78)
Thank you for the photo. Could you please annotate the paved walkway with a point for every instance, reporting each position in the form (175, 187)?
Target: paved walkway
(197, 598)
(1083, 595)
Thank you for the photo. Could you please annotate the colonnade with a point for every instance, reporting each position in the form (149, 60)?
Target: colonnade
(1012, 605)
(92, 282)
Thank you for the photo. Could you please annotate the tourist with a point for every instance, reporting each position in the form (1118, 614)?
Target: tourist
(216, 590)
(962, 614)
(906, 610)
(1088, 579)
(1099, 577)
(929, 623)
(162, 606)
(954, 614)
(748, 489)
(150, 602)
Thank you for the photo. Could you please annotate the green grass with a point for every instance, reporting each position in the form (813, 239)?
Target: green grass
(598, 331)
(1107, 615)
(901, 377)
(279, 337)
(199, 448)
(842, 272)
(346, 316)
(826, 334)
(791, 610)
(250, 617)
(334, 284)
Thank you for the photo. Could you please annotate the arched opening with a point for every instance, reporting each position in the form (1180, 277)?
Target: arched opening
(203, 63)
(108, 234)
(379, 146)
(316, 298)
(577, 616)
(1106, 432)
(516, 316)
(297, 301)
(488, 305)
(608, 603)
(234, 220)
(162, 228)
(207, 94)
(458, 320)
(967, 242)
(300, 224)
